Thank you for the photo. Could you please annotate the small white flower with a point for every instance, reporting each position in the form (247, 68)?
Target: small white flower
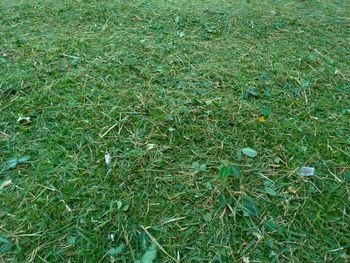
(108, 159)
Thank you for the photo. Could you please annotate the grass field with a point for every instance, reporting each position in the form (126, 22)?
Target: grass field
(173, 91)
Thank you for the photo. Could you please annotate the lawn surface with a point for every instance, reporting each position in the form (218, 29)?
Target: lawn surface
(173, 91)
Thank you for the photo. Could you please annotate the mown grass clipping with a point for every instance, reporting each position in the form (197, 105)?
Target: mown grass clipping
(173, 131)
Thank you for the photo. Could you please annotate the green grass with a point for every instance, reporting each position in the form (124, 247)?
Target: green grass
(160, 85)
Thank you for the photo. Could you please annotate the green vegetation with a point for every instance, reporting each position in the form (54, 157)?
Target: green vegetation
(207, 109)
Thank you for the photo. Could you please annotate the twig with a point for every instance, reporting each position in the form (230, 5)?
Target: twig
(173, 220)
(129, 245)
(113, 126)
(157, 244)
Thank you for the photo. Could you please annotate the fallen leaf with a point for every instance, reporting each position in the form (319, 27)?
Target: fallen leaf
(74, 61)
(222, 200)
(4, 240)
(208, 29)
(277, 160)
(125, 208)
(6, 246)
(267, 93)
(250, 208)
(181, 34)
(177, 19)
(251, 92)
(347, 177)
(117, 250)
(207, 217)
(71, 240)
(209, 186)
(232, 170)
(199, 167)
(11, 163)
(149, 256)
(270, 191)
(24, 159)
(270, 225)
(250, 152)
(261, 119)
(269, 188)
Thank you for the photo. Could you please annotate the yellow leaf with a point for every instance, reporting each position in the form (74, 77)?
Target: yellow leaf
(261, 119)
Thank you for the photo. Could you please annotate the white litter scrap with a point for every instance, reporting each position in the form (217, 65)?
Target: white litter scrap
(108, 159)
(23, 119)
(306, 171)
